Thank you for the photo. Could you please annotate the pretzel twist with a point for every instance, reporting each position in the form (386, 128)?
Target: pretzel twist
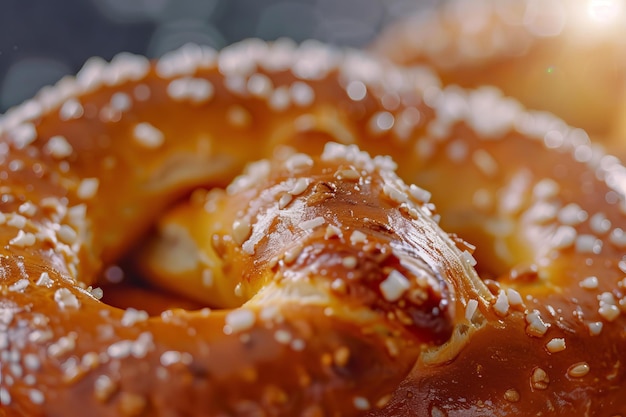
(90, 164)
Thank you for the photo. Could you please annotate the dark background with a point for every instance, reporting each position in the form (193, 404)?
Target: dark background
(42, 40)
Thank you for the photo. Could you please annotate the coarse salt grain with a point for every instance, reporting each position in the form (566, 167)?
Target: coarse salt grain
(148, 136)
(58, 147)
(88, 188)
(19, 286)
(312, 223)
(239, 320)
(589, 283)
(394, 286)
(556, 345)
(358, 237)
(470, 309)
(23, 239)
(65, 299)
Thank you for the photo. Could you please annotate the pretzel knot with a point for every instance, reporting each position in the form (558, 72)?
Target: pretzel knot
(330, 286)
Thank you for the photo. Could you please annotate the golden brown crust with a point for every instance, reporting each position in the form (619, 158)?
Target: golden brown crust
(565, 56)
(89, 164)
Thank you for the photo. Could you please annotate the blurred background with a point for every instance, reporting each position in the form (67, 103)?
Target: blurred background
(42, 40)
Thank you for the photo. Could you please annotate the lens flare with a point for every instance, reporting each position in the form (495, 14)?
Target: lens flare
(605, 11)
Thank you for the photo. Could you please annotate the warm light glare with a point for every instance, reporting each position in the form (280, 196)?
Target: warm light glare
(604, 11)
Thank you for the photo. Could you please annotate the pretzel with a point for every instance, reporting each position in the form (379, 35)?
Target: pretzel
(90, 164)
(567, 57)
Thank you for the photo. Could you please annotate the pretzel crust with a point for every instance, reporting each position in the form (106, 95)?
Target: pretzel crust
(89, 164)
(567, 57)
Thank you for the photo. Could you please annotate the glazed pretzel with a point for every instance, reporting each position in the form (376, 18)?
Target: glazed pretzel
(564, 56)
(89, 164)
